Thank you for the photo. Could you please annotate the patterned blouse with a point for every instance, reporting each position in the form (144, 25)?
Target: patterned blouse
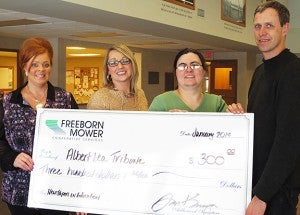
(111, 99)
(19, 123)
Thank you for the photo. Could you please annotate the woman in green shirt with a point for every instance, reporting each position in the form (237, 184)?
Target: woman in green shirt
(190, 68)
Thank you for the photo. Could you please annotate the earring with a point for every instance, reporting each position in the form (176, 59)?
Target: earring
(108, 77)
(26, 73)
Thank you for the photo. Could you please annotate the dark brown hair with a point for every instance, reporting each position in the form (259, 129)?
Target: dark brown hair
(186, 51)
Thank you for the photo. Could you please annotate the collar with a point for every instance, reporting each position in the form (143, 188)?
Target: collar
(278, 58)
(18, 99)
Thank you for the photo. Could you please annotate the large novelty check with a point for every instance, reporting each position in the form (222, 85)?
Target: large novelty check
(112, 162)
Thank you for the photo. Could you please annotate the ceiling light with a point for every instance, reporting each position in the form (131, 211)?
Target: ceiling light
(84, 55)
(17, 22)
(75, 48)
(98, 34)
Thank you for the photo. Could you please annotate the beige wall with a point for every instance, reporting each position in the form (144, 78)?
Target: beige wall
(294, 33)
(210, 24)
(155, 61)
(170, 14)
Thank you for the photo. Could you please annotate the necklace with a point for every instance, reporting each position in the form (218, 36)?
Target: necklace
(127, 95)
(38, 102)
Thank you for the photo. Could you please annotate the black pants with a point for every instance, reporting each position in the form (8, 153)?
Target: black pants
(22, 210)
(283, 203)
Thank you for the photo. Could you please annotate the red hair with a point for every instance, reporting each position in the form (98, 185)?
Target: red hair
(33, 47)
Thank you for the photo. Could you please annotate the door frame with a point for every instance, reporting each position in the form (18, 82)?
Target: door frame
(230, 96)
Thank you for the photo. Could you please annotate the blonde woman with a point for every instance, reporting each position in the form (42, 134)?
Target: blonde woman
(120, 75)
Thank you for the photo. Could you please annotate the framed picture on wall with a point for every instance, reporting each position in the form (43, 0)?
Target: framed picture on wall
(184, 3)
(169, 81)
(153, 77)
(234, 11)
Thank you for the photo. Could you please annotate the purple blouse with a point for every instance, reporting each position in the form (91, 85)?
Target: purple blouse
(19, 124)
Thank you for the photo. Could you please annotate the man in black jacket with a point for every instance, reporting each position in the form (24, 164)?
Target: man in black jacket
(274, 98)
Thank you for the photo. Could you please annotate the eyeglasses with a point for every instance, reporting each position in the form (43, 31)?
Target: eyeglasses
(123, 61)
(37, 64)
(184, 66)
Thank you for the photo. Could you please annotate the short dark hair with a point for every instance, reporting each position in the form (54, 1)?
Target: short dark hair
(186, 51)
(283, 12)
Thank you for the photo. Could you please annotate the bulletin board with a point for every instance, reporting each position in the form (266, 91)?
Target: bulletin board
(86, 82)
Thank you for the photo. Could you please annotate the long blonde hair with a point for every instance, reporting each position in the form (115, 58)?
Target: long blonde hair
(122, 48)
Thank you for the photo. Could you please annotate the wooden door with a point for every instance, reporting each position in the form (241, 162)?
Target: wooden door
(223, 79)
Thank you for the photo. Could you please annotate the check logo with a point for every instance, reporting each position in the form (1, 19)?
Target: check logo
(52, 124)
